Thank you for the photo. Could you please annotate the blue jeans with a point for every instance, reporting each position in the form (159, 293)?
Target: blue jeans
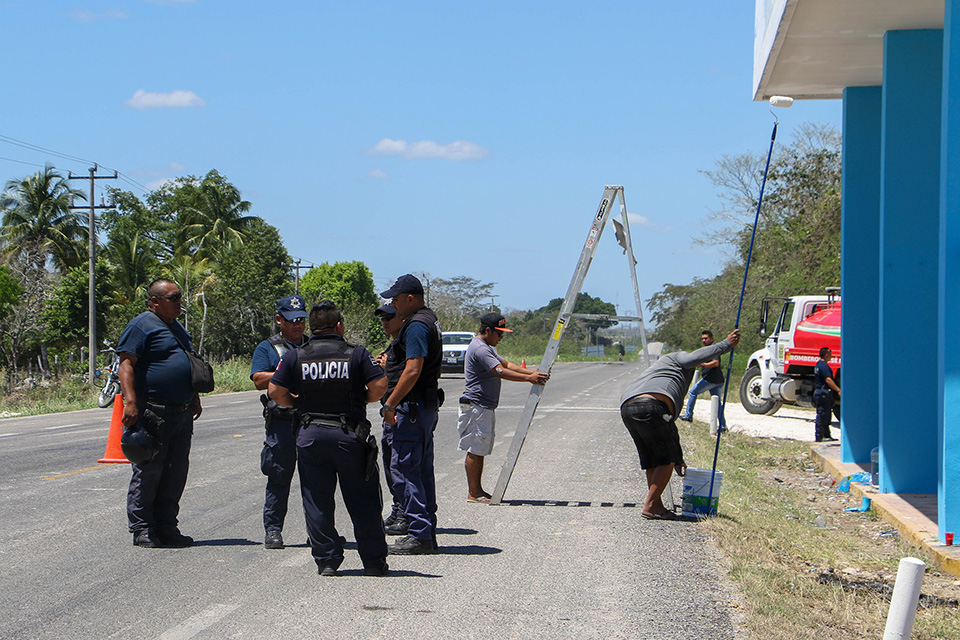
(714, 389)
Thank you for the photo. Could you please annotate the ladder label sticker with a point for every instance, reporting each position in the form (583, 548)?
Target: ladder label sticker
(558, 330)
(603, 207)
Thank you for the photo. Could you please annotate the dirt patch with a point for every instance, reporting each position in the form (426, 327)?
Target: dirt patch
(827, 509)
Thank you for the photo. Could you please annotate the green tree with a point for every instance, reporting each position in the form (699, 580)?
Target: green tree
(350, 286)
(796, 249)
(38, 223)
(242, 302)
(214, 218)
(65, 315)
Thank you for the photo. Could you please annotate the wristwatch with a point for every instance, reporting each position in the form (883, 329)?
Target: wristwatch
(386, 408)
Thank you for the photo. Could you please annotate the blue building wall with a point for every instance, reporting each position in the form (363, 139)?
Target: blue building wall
(860, 272)
(948, 492)
(909, 261)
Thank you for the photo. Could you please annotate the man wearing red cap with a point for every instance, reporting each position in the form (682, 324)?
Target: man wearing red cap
(483, 371)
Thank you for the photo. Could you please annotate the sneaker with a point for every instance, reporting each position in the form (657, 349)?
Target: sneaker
(376, 570)
(686, 419)
(273, 540)
(145, 539)
(398, 528)
(173, 538)
(327, 572)
(410, 546)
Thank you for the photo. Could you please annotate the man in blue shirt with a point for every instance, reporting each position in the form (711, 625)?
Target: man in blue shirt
(412, 409)
(825, 387)
(155, 374)
(278, 460)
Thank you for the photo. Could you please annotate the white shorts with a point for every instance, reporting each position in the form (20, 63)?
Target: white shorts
(476, 426)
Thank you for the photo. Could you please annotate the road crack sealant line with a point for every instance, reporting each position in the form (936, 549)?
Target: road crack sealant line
(775, 101)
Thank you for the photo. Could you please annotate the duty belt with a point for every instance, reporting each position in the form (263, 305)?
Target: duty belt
(168, 407)
(326, 420)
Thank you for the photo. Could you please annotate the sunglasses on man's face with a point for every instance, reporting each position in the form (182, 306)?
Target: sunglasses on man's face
(173, 297)
(386, 318)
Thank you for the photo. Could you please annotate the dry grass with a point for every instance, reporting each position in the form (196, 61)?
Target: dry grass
(806, 567)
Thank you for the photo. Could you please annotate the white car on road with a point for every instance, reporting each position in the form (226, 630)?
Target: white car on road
(454, 350)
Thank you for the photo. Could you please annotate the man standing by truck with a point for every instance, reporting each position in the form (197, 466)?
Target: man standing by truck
(711, 379)
(823, 399)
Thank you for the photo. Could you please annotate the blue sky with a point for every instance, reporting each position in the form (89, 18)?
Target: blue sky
(454, 138)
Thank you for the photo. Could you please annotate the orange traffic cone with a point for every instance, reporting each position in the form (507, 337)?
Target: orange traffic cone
(523, 363)
(114, 453)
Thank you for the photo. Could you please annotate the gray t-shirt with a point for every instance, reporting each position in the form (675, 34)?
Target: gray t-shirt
(482, 384)
(671, 374)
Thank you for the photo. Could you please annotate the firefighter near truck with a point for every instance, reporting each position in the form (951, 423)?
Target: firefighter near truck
(782, 371)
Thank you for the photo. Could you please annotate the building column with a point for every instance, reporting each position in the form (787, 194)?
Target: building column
(948, 499)
(909, 389)
(859, 273)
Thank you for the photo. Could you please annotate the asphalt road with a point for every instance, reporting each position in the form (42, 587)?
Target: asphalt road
(566, 556)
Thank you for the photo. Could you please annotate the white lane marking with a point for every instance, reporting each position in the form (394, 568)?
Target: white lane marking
(199, 622)
(62, 426)
(241, 402)
(7, 435)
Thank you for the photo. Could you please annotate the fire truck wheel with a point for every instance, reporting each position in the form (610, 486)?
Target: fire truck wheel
(750, 394)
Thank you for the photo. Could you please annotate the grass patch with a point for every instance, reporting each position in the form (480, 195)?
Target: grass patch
(70, 393)
(796, 554)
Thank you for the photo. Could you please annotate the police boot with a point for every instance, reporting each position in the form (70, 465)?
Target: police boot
(273, 540)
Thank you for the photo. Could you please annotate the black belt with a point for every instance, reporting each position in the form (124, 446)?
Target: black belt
(307, 420)
(167, 407)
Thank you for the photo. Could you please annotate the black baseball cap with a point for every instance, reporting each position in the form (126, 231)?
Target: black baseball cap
(292, 308)
(385, 310)
(407, 283)
(496, 321)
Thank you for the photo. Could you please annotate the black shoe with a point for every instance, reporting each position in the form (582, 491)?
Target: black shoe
(173, 538)
(327, 572)
(410, 546)
(376, 570)
(145, 539)
(273, 540)
(398, 528)
(686, 419)
(394, 517)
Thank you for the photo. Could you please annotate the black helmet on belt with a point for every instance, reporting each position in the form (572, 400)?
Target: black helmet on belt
(140, 443)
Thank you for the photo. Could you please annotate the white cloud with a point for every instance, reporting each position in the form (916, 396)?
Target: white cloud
(455, 151)
(149, 100)
(87, 16)
(639, 220)
(376, 173)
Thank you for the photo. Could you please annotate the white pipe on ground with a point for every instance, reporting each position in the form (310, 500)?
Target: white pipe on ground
(903, 604)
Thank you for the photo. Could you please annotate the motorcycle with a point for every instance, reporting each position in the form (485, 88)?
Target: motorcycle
(111, 386)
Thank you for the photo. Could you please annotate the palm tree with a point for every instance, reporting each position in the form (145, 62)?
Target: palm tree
(216, 220)
(39, 225)
(133, 260)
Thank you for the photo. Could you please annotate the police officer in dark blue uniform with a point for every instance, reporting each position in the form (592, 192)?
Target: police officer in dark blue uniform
(823, 399)
(278, 460)
(412, 409)
(333, 381)
(155, 374)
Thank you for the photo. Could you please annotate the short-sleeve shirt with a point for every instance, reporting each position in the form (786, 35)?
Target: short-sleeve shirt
(288, 372)
(482, 384)
(417, 340)
(265, 357)
(820, 374)
(162, 371)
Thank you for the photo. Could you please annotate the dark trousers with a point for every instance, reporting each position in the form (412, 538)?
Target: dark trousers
(657, 440)
(823, 400)
(153, 499)
(413, 460)
(390, 473)
(278, 461)
(324, 455)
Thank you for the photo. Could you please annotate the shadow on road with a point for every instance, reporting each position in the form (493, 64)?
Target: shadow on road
(568, 503)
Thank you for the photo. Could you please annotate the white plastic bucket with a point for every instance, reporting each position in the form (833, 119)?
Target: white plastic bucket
(697, 499)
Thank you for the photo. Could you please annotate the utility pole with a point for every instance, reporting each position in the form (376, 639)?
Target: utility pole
(92, 254)
(493, 301)
(296, 267)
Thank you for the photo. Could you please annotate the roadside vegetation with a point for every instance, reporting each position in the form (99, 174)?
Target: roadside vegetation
(807, 568)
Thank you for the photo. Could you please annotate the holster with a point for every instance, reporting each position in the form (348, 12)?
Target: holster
(371, 470)
(272, 410)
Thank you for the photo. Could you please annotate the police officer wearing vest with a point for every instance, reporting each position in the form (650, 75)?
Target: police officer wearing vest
(411, 409)
(278, 460)
(333, 381)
